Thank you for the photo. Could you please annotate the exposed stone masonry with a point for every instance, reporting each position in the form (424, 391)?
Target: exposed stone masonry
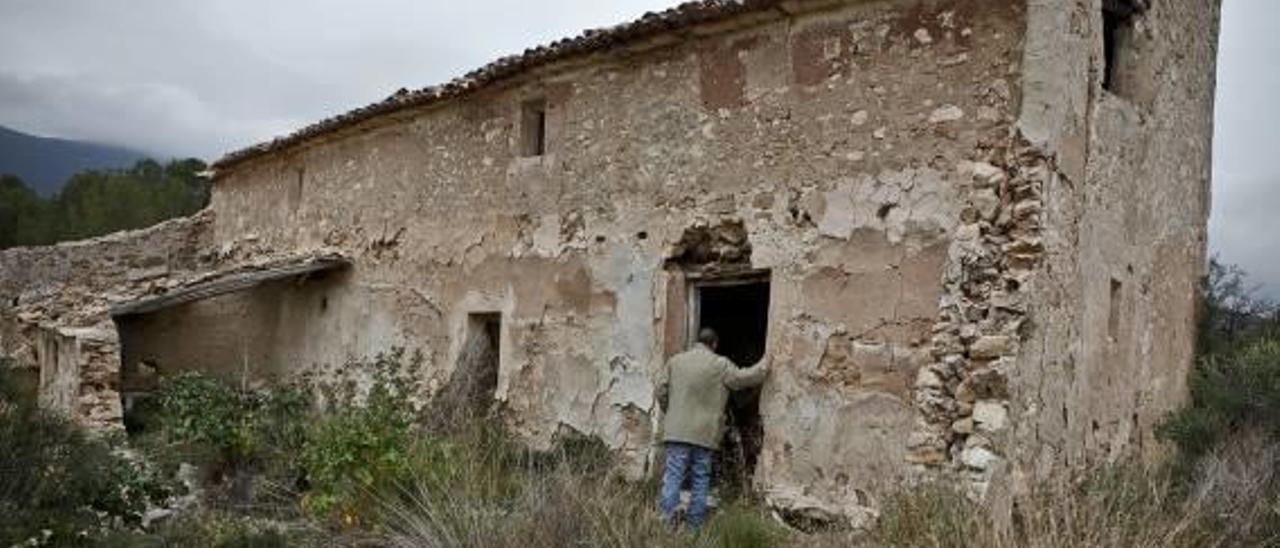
(56, 304)
(963, 396)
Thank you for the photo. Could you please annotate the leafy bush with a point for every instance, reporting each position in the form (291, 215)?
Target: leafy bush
(1232, 392)
(364, 440)
(365, 462)
(60, 485)
(235, 430)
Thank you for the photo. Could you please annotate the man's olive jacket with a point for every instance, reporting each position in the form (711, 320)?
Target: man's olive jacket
(696, 388)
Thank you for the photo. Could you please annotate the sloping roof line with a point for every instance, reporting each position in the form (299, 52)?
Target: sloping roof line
(685, 15)
(232, 280)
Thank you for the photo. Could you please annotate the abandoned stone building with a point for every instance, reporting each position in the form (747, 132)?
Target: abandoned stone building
(967, 232)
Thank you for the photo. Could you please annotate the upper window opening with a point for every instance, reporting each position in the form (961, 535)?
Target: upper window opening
(1118, 17)
(295, 191)
(1113, 312)
(533, 119)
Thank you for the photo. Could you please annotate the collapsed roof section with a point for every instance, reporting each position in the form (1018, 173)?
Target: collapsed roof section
(237, 279)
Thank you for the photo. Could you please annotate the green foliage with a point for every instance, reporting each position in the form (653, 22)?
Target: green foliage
(365, 463)
(1229, 312)
(1231, 392)
(1235, 386)
(359, 447)
(58, 484)
(23, 214)
(99, 202)
(240, 427)
(359, 438)
(214, 530)
(742, 526)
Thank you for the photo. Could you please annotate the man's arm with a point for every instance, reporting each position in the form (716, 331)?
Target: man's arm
(736, 378)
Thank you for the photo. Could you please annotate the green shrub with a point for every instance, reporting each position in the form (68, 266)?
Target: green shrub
(351, 453)
(364, 441)
(246, 442)
(61, 485)
(1235, 391)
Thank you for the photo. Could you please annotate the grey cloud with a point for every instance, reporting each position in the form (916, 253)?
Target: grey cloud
(204, 78)
(1246, 188)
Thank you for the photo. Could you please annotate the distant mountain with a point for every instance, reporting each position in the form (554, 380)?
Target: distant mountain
(45, 163)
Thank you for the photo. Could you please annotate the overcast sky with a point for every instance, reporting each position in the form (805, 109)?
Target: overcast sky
(204, 77)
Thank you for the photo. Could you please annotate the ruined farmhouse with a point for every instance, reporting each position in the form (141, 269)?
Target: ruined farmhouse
(968, 233)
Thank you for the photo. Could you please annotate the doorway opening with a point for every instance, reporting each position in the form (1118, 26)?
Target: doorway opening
(474, 382)
(737, 308)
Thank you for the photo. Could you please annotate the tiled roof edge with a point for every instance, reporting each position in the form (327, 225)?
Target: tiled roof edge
(685, 15)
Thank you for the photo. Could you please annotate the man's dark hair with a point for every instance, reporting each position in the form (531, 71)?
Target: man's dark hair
(708, 337)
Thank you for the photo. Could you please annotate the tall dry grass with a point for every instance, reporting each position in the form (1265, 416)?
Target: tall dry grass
(492, 494)
(1231, 498)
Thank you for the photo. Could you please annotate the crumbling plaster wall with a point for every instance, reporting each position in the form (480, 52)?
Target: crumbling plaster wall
(1124, 219)
(55, 301)
(842, 138)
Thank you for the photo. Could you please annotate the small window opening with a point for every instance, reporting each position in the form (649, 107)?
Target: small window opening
(1113, 314)
(295, 191)
(1118, 18)
(533, 119)
(738, 310)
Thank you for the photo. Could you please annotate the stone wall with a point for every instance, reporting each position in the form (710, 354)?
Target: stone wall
(841, 136)
(55, 302)
(1111, 313)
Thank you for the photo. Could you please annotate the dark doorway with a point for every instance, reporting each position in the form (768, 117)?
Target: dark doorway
(738, 310)
(470, 390)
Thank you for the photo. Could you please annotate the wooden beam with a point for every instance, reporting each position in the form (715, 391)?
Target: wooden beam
(230, 282)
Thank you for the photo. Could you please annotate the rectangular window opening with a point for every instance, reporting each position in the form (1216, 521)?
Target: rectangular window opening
(295, 192)
(1118, 18)
(1113, 313)
(737, 308)
(533, 119)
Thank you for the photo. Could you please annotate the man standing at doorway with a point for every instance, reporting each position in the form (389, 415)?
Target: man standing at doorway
(697, 387)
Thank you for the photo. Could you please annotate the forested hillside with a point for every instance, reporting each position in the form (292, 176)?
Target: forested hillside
(97, 202)
(46, 163)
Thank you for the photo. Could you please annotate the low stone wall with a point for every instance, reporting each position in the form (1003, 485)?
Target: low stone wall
(55, 323)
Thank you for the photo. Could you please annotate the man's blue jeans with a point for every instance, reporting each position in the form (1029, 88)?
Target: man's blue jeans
(680, 457)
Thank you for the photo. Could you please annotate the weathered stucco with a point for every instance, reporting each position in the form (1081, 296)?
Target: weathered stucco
(1113, 307)
(835, 136)
(939, 191)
